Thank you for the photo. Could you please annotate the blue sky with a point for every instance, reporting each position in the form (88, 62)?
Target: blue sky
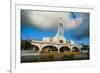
(79, 34)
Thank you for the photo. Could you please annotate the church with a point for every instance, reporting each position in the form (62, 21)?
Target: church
(57, 43)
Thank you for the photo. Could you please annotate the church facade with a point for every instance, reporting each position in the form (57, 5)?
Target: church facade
(57, 43)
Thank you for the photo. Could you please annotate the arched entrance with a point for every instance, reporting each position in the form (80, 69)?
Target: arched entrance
(49, 48)
(64, 48)
(35, 48)
(75, 49)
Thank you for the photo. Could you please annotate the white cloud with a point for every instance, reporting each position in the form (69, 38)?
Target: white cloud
(45, 20)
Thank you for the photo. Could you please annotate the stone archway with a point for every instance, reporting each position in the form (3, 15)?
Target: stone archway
(49, 48)
(35, 48)
(75, 49)
(64, 48)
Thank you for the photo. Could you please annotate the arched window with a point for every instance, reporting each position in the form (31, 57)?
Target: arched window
(64, 48)
(35, 48)
(75, 49)
(49, 48)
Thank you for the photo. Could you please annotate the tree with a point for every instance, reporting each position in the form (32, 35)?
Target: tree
(25, 45)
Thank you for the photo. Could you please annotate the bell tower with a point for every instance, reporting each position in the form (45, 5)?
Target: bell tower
(60, 32)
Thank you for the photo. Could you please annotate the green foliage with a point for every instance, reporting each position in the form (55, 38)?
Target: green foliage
(25, 45)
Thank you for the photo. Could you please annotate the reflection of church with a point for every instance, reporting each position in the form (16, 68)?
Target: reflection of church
(57, 43)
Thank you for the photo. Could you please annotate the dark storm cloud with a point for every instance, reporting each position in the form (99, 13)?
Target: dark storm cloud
(83, 30)
(24, 19)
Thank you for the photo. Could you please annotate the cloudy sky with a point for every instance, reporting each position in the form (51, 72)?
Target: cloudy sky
(39, 24)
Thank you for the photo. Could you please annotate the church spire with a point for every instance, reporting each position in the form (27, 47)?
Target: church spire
(60, 32)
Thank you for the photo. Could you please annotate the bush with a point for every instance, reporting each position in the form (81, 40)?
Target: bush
(47, 57)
